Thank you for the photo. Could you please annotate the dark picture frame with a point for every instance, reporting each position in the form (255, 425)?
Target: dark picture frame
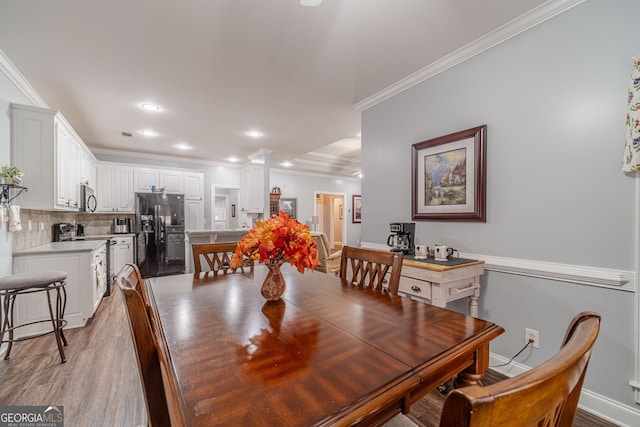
(448, 177)
(356, 208)
(289, 205)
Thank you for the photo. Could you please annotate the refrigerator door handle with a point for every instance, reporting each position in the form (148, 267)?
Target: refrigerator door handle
(158, 226)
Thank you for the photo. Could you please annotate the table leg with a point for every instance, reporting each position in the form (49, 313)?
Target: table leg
(473, 374)
(473, 299)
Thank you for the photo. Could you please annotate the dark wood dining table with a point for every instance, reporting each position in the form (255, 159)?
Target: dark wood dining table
(327, 353)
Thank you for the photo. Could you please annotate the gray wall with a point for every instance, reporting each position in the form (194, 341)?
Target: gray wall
(554, 101)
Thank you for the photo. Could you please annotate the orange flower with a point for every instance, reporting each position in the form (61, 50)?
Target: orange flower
(276, 240)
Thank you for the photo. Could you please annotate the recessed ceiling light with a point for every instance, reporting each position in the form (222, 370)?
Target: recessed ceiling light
(310, 3)
(287, 164)
(255, 134)
(148, 132)
(183, 146)
(149, 107)
(233, 159)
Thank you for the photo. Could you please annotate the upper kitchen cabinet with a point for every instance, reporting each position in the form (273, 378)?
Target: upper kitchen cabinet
(115, 188)
(144, 179)
(194, 185)
(171, 181)
(50, 154)
(251, 196)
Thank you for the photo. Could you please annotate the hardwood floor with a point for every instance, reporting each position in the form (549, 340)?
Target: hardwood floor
(100, 386)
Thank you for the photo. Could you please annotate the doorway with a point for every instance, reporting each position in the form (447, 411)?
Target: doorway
(224, 211)
(331, 211)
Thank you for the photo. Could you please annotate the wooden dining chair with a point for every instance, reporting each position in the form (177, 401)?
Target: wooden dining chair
(547, 395)
(148, 358)
(131, 277)
(369, 267)
(217, 256)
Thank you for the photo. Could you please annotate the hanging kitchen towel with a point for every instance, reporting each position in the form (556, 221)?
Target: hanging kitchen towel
(14, 218)
(631, 160)
(4, 217)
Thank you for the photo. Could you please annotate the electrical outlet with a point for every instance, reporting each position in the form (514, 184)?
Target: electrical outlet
(532, 336)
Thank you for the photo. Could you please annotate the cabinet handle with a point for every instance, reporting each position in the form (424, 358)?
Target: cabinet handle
(415, 288)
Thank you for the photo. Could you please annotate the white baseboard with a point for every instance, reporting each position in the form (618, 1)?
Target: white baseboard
(591, 402)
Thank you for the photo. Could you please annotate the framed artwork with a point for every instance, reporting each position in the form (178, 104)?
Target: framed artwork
(356, 205)
(340, 211)
(448, 177)
(290, 206)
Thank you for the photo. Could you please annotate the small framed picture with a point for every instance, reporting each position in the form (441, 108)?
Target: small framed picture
(290, 206)
(356, 205)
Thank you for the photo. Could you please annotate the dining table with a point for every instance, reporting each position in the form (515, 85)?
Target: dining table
(327, 353)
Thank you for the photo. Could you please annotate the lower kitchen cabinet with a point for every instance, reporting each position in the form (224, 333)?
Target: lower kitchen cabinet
(86, 284)
(121, 253)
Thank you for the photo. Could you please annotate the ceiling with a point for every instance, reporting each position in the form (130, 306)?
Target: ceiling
(220, 68)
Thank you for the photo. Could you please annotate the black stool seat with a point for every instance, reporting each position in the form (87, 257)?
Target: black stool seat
(30, 282)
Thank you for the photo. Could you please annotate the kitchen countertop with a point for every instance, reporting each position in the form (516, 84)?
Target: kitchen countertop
(209, 232)
(102, 236)
(58, 247)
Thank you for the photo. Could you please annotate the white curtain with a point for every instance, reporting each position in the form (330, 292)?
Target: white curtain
(631, 160)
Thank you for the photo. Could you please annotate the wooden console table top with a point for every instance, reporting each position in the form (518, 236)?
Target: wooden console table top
(437, 267)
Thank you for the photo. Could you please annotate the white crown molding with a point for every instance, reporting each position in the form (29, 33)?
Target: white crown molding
(602, 277)
(524, 22)
(12, 73)
(160, 157)
(314, 174)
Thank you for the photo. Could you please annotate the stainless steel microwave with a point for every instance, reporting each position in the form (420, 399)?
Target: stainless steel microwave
(88, 202)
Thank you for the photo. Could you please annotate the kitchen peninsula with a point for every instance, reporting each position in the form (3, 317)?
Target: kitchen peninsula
(208, 236)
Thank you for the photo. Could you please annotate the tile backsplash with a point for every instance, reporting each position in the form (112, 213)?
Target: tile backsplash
(94, 223)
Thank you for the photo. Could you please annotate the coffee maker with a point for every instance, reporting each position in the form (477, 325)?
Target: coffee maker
(401, 239)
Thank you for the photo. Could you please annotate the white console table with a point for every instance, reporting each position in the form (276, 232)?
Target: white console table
(440, 284)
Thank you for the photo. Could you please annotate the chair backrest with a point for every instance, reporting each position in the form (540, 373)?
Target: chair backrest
(322, 245)
(547, 395)
(369, 267)
(130, 277)
(217, 256)
(148, 358)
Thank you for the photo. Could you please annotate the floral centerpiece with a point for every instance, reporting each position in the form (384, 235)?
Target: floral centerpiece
(272, 242)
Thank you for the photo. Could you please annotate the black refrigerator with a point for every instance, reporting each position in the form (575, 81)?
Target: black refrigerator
(159, 227)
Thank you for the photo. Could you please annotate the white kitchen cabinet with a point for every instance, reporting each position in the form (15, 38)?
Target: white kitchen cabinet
(87, 169)
(172, 181)
(121, 253)
(84, 290)
(251, 195)
(193, 214)
(194, 185)
(143, 179)
(48, 151)
(115, 188)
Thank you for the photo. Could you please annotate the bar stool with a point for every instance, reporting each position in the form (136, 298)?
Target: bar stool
(27, 283)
